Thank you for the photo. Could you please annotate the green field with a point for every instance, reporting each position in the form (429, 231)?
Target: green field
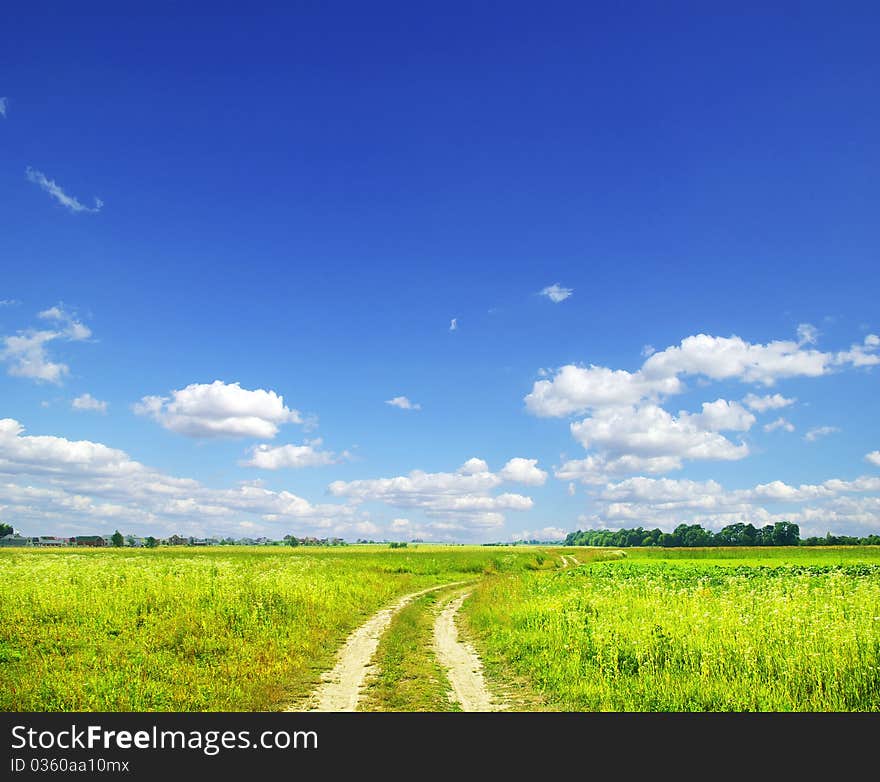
(692, 630)
(183, 629)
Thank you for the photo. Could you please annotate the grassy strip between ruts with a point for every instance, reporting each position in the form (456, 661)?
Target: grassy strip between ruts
(407, 675)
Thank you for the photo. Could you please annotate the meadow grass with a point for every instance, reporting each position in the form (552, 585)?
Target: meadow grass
(683, 630)
(183, 629)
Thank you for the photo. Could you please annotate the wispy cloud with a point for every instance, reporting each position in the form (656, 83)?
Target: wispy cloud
(556, 292)
(9, 302)
(403, 403)
(27, 354)
(779, 423)
(54, 190)
(453, 324)
(820, 431)
(3, 107)
(86, 402)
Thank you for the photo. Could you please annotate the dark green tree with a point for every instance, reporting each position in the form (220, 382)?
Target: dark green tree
(116, 539)
(151, 542)
(5, 529)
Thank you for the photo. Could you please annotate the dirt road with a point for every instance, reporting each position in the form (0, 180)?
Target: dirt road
(341, 689)
(463, 666)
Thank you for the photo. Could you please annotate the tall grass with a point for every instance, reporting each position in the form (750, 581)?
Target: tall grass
(683, 635)
(197, 629)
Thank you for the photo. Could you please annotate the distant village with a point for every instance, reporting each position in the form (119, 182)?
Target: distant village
(118, 540)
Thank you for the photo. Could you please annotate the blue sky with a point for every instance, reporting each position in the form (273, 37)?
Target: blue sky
(235, 235)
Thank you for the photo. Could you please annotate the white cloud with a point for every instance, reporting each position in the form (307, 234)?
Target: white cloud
(88, 402)
(665, 503)
(9, 302)
(27, 356)
(71, 327)
(268, 457)
(219, 409)
(77, 482)
(779, 423)
(525, 471)
(556, 293)
(453, 324)
(648, 350)
(629, 430)
(462, 498)
(807, 334)
(27, 353)
(762, 404)
(600, 468)
(474, 466)
(403, 403)
(576, 389)
(863, 355)
(873, 458)
(650, 431)
(722, 415)
(820, 431)
(547, 533)
(54, 190)
(3, 103)
(721, 358)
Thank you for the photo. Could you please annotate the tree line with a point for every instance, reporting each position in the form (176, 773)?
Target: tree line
(782, 533)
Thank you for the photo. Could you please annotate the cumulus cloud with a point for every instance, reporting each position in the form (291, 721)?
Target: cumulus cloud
(88, 402)
(650, 431)
(27, 351)
(219, 409)
(403, 403)
(576, 389)
(600, 468)
(665, 503)
(55, 191)
(627, 424)
(820, 431)
(722, 358)
(269, 457)
(556, 293)
(779, 423)
(761, 404)
(722, 415)
(873, 458)
(462, 498)
(87, 485)
(526, 471)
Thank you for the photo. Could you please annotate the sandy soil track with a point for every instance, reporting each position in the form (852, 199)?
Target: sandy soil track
(342, 686)
(463, 666)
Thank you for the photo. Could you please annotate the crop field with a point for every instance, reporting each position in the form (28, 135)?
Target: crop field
(692, 630)
(569, 629)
